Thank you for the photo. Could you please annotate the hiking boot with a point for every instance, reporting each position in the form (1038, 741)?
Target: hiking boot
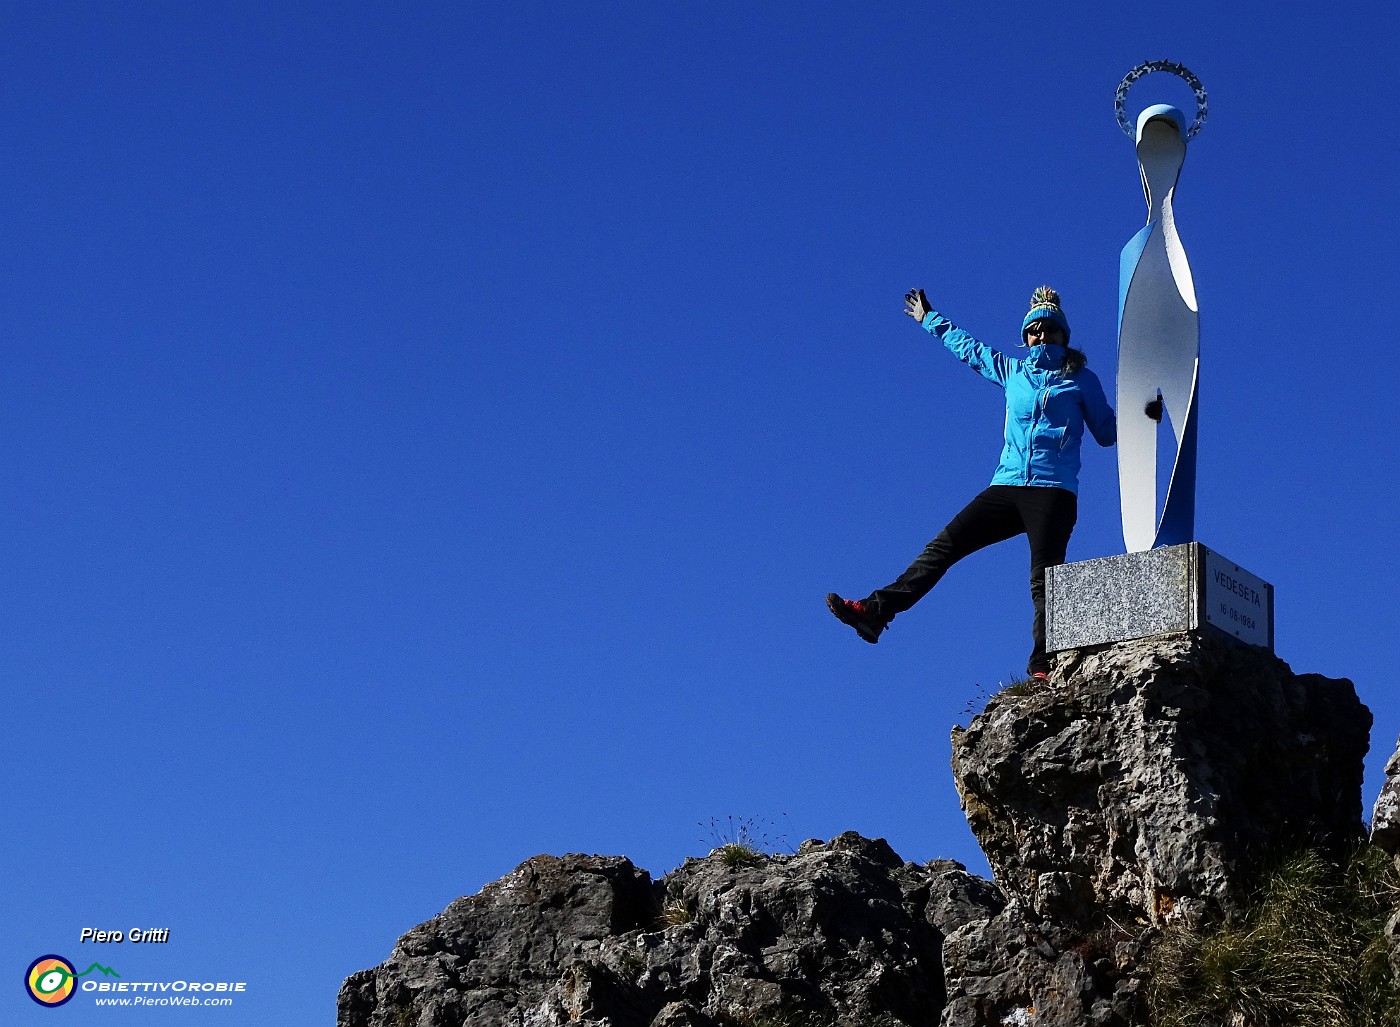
(855, 613)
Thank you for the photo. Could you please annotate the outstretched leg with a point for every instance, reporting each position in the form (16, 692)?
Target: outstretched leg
(991, 517)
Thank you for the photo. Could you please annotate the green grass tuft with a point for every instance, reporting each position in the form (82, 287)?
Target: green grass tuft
(742, 841)
(735, 855)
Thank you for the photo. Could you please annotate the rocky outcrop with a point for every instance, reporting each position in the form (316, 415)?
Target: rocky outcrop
(1147, 786)
(485, 955)
(1156, 775)
(1144, 785)
(1385, 834)
(841, 932)
(1385, 815)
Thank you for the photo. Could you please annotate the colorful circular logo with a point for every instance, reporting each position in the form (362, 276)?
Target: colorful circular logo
(50, 980)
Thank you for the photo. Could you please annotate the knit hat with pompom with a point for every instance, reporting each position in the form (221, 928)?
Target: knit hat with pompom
(1045, 306)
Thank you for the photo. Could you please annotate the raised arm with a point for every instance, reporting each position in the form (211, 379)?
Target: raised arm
(977, 355)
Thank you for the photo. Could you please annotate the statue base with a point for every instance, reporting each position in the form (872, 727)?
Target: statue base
(1176, 588)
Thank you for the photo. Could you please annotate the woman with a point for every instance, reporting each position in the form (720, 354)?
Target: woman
(1050, 397)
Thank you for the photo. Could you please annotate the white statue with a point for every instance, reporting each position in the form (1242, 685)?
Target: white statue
(1158, 339)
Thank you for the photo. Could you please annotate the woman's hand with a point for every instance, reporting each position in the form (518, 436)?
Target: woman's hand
(916, 305)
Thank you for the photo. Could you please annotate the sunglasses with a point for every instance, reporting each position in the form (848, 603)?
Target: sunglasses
(1041, 328)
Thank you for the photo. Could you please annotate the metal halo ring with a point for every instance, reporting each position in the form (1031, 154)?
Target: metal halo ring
(1146, 68)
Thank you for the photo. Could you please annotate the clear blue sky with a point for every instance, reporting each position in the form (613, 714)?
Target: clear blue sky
(428, 430)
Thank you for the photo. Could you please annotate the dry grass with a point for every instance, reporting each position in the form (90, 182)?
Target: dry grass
(1310, 951)
(676, 913)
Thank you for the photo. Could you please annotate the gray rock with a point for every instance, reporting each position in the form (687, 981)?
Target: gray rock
(1385, 834)
(1385, 815)
(841, 933)
(514, 955)
(1004, 971)
(957, 898)
(1149, 779)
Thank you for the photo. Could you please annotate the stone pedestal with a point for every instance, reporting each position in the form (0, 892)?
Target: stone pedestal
(1177, 588)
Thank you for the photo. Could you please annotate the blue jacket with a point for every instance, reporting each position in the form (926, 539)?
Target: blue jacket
(1046, 410)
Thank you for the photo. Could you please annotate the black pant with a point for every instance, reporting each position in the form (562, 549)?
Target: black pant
(1044, 515)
